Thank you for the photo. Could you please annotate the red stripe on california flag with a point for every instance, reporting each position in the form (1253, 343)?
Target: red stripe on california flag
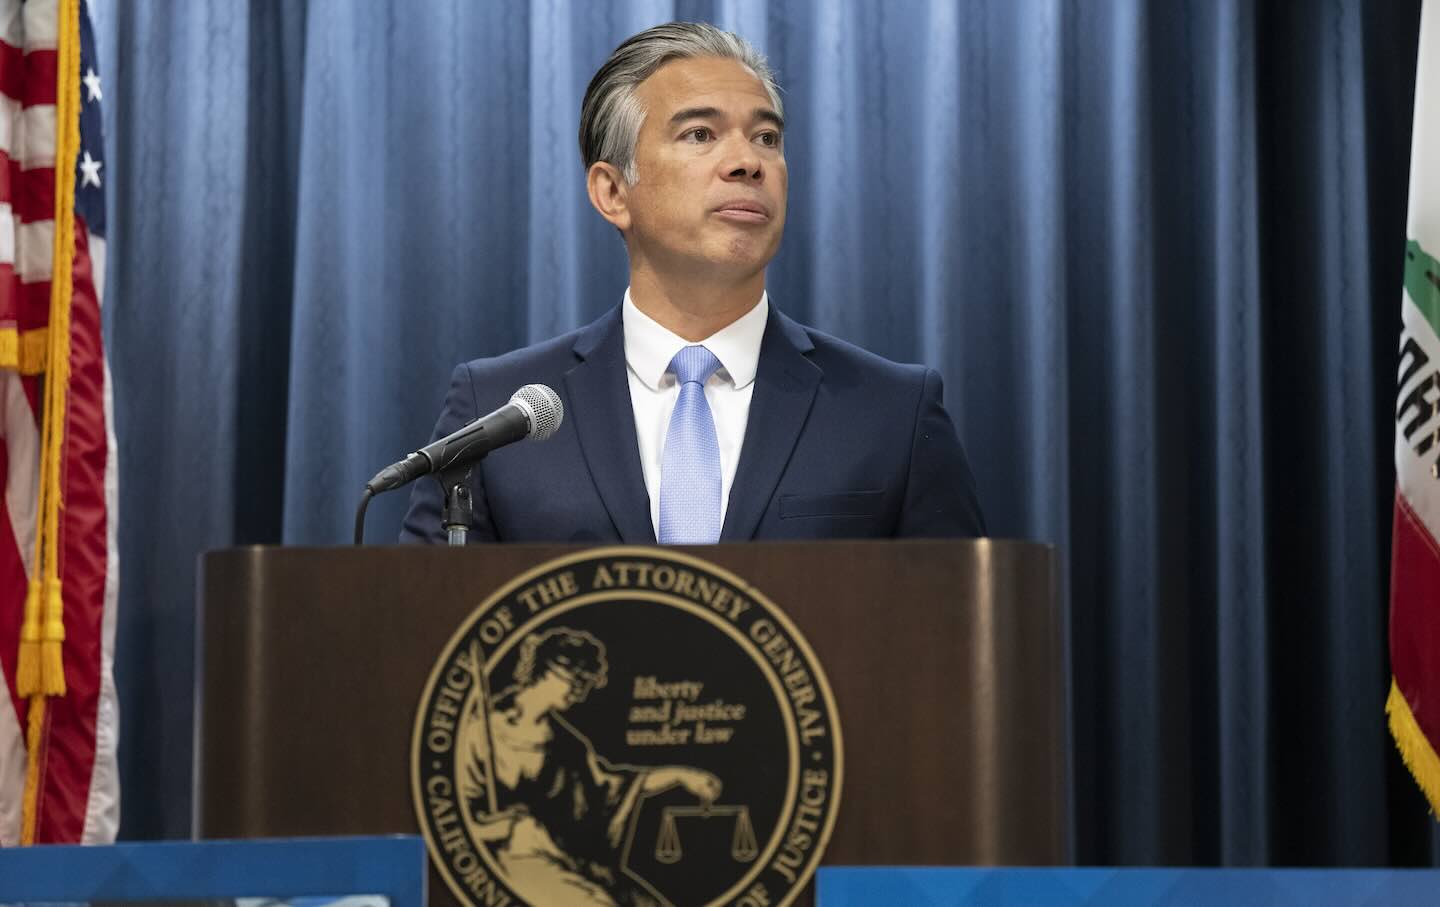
(71, 754)
(1415, 617)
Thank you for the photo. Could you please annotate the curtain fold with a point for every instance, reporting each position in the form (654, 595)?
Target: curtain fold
(1154, 251)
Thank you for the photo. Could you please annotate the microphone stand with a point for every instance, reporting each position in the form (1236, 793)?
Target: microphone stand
(458, 505)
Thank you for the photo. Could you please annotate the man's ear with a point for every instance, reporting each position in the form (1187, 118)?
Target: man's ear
(609, 194)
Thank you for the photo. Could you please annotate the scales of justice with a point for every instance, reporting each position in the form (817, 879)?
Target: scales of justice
(742, 841)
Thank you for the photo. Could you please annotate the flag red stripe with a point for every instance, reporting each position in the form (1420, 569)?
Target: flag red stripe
(12, 71)
(31, 193)
(34, 192)
(9, 295)
(41, 82)
(71, 753)
(1415, 617)
(29, 78)
(32, 304)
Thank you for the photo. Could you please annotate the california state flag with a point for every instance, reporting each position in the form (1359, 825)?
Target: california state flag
(1414, 703)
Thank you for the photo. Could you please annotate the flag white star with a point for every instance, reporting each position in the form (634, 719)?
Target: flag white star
(90, 171)
(92, 86)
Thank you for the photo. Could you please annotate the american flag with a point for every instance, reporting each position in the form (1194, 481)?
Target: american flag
(59, 515)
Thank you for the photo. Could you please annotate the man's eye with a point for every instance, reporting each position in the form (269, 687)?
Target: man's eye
(700, 134)
(769, 139)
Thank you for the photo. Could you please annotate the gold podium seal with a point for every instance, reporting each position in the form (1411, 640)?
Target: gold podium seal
(627, 727)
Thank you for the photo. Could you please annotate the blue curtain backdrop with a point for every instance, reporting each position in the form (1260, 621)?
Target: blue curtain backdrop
(1155, 249)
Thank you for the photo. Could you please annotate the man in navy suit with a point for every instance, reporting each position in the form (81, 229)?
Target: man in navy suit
(696, 412)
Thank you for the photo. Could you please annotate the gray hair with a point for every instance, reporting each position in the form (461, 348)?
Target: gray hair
(611, 114)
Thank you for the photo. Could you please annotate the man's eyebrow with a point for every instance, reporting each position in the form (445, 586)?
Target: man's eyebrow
(764, 114)
(769, 116)
(694, 113)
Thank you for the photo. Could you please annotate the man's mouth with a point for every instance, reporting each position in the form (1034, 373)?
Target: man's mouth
(743, 212)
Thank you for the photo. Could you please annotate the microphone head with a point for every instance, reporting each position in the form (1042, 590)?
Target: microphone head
(543, 407)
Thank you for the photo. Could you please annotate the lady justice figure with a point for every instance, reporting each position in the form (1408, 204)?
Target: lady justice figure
(555, 819)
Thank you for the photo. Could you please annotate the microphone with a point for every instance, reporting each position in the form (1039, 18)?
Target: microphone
(534, 411)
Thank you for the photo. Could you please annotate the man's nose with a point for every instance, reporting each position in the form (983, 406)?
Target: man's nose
(742, 161)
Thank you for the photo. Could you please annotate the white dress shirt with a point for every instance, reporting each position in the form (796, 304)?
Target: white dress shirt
(654, 390)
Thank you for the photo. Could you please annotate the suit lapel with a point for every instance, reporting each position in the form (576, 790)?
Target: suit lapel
(604, 422)
(785, 385)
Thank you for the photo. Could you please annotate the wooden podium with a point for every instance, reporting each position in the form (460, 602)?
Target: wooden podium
(945, 658)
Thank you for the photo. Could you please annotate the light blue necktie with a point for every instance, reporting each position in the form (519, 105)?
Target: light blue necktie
(690, 463)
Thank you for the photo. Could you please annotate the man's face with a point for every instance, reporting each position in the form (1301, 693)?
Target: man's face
(712, 175)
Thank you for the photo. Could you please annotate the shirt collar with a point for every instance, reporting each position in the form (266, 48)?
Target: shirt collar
(649, 346)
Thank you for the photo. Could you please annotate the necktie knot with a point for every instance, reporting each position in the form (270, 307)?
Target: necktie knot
(694, 365)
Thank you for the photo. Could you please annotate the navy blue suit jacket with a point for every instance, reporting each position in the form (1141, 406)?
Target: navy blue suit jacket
(840, 443)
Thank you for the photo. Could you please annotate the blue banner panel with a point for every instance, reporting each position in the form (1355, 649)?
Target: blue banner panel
(1070, 887)
(390, 870)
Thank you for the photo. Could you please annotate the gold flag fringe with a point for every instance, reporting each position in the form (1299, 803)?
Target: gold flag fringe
(1415, 748)
(24, 352)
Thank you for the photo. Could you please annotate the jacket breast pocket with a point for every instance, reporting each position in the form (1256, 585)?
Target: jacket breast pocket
(844, 503)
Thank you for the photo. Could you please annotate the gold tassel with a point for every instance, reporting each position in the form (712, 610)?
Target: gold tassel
(52, 635)
(1415, 748)
(27, 672)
